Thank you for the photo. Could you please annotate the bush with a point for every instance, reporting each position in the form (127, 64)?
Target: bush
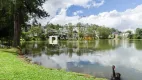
(42, 37)
(119, 37)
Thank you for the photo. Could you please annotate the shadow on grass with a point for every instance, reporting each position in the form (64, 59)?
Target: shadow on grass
(12, 50)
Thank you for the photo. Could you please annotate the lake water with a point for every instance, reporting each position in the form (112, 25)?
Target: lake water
(94, 57)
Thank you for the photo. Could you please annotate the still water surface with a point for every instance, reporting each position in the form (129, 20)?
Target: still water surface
(94, 57)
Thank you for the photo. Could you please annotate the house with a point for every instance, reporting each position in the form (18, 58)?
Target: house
(75, 34)
(51, 32)
(63, 33)
(115, 35)
(125, 35)
(88, 38)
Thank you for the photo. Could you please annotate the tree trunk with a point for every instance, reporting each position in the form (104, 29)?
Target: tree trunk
(17, 29)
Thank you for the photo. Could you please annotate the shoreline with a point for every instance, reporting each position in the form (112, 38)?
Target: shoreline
(46, 71)
(79, 40)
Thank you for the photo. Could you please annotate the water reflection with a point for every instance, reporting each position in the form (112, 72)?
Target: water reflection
(138, 44)
(94, 57)
(69, 47)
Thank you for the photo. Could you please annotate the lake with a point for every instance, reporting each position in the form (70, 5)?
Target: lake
(89, 57)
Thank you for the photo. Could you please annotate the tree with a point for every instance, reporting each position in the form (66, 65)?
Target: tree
(104, 32)
(130, 34)
(21, 10)
(80, 30)
(70, 30)
(6, 21)
(114, 30)
(139, 33)
(90, 31)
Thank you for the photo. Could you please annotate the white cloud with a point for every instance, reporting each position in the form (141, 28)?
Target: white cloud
(52, 6)
(129, 19)
(98, 4)
(77, 12)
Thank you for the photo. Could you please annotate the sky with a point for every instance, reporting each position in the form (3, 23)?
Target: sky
(120, 14)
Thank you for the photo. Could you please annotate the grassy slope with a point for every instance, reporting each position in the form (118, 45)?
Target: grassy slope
(14, 68)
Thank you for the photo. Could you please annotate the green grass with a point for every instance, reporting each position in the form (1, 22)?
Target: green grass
(14, 68)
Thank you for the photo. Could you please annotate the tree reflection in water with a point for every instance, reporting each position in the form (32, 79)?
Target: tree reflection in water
(77, 47)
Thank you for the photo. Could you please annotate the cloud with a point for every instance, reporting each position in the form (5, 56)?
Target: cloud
(129, 19)
(54, 6)
(77, 12)
(98, 4)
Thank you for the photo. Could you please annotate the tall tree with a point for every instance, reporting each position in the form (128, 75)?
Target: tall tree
(80, 29)
(6, 18)
(130, 34)
(31, 7)
(70, 30)
(139, 33)
(21, 10)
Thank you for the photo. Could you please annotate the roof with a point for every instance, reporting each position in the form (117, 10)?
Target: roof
(75, 31)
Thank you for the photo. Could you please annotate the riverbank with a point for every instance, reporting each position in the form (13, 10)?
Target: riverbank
(14, 68)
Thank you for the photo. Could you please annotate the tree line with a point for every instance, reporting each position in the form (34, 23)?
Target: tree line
(94, 31)
(68, 30)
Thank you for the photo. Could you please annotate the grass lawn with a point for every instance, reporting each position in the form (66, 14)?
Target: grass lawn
(14, 68)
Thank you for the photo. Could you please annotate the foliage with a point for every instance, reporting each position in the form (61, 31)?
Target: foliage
(52, 29)
(35, 30)
(80, 30)
(25, 36)
(130, 36)
(139, 33)
(19, 11)
(35, 33)
(134, 36)
(70, 30)
(6, 20)
(104, 32)
(90, 31)
(83, 30)
(119, 37)
(42, 36)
